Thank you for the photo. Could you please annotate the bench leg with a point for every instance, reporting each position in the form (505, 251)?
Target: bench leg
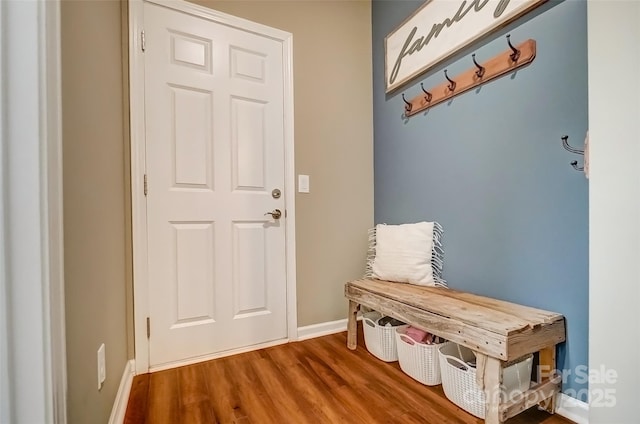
(481, 363)
(352, 325)
(492, 383)
(546, 370)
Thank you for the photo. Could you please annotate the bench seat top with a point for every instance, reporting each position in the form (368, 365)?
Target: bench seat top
(497, 316)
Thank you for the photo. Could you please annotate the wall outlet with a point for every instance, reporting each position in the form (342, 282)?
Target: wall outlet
(102, 366)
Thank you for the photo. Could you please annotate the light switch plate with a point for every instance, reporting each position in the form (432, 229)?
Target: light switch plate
(303, 184)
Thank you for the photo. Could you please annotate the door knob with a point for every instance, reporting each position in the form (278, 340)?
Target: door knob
(276, 214)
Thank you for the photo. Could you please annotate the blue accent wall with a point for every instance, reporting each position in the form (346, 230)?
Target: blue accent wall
(490, 167)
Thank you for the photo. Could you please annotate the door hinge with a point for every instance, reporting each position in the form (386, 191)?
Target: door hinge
(148, 327)
(143, 41)
(146, 185)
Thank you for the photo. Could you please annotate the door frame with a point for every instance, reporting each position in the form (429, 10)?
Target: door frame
(138, 167)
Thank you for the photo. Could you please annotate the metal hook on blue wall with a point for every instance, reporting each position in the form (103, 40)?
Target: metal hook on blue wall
(452, 83)
(481, 70)
(565, 144)
(428, 95)
(408, 105)
(516, 53)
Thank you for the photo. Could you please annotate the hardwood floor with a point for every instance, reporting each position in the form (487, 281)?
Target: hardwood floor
(313, 381)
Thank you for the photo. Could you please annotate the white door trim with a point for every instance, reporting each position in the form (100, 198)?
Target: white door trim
(32, 325)
(138, 162)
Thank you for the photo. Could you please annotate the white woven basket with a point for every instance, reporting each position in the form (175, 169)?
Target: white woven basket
(419, 361)
(380, 341)
(459, 379)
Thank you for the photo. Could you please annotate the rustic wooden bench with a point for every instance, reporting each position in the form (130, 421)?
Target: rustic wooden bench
(497, 331)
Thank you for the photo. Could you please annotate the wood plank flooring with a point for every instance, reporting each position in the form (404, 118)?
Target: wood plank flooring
(313, 381)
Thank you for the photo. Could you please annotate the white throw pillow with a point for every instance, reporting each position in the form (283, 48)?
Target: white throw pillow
(408, 253)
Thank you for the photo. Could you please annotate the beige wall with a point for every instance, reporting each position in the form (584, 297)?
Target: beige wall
(94, 204)
(333, 141)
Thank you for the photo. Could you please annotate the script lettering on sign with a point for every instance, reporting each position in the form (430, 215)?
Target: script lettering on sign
(440, 28)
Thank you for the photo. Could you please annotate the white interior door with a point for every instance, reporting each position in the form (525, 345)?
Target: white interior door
(215, 151)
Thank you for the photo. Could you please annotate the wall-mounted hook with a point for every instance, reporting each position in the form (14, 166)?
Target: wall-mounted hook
(408, 105)
(480, 71)
(428, 95)
(452, 83)
(516, 53)
(565, 144)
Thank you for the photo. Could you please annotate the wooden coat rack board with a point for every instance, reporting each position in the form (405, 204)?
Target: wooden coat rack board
(481, 73)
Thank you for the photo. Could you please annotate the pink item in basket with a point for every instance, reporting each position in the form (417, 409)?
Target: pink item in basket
(416, 334)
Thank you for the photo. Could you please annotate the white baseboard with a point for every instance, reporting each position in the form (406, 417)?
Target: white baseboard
(122, 397)
(322, 329)
(573, 409)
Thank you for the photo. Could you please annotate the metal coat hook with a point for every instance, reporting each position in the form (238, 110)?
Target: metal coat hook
(565, 144)
(428, 95)
(574, 163)
(516, 53)
(452, 83)
(408, 105)
(480, 71)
